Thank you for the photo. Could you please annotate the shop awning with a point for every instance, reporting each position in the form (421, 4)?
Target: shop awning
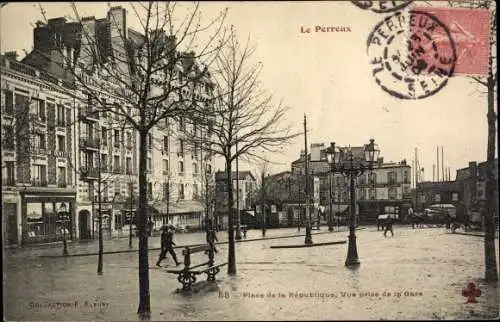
(179, 207)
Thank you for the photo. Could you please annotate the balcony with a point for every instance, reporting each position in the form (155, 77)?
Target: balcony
(89, 173)
(90, 143)
(117, 170)
(36, 150)
(89, 114)
(39, 182)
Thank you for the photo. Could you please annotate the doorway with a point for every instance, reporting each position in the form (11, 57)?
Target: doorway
(84, 219)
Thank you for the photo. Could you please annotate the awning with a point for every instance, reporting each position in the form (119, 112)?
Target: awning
(179, 207)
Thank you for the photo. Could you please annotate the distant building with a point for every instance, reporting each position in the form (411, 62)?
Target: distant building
(387, 185)
(471, 181)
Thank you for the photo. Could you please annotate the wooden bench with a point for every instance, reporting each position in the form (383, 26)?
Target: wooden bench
(187, 274)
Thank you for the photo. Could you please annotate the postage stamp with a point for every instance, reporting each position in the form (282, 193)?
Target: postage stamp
(469, 29)
(407, 62)
(381, 6)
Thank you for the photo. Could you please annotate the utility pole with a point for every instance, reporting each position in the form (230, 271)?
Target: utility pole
(437, 160)
(131, 217)
(308, 239)
(442, 164)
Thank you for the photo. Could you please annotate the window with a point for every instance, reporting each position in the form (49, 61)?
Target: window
(117, 139)
(104, 162)
(60, 115)
(181, 167)
(8, 174)
(130, 189)
(372, 194)
(150, 141)
(393, 193)
(362, 194)
(195, 168)
(181, 124)
(362, 179)
(195, 150)
(38, 141)
(37, 109)
(128, 165)
(165, 144)
(181, 191)
(150, 190)
(8, 137)
(454, 196)
(22, 105)
(104, 135)
(372, 178)
(149, 164)
(9, 102)
(165, 166)
(392, 177)
(437, 197)
(61, 181)
(195, 190)
(129, 140)
(405, 177)
(39, 175)
(61, 143)
(116, 164)
(181, 147)
(117, 187)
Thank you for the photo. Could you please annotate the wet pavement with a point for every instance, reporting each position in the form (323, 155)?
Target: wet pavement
(424, 270)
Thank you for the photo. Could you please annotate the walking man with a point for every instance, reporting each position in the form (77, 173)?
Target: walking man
(167, 242)
(211, 239)
(388, 226)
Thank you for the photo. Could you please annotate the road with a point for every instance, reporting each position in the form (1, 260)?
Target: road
(424, 270)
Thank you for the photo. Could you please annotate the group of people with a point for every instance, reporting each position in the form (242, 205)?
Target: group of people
(167, 243)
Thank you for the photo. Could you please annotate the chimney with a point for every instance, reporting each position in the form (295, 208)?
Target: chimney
(473, 168)
(380, 161)
(12, 55)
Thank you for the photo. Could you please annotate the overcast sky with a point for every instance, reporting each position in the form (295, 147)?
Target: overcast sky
(325, 75)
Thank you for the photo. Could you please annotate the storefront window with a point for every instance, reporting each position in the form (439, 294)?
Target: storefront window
(42, 221)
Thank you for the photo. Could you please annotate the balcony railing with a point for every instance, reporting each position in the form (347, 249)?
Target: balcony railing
(92, 143)
(62, 184)
(39, 182)
(38, 150)
(128, 171)
(117, 170)
(89, 172)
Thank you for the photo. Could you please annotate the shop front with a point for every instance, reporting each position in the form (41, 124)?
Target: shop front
(40, 212)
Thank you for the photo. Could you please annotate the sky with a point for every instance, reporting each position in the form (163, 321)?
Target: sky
(323, 75)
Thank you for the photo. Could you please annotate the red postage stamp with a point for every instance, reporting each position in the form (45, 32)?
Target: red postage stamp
(469, 30)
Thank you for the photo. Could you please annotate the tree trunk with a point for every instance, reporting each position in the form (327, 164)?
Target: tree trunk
(231, 256)
(144, 304)
(101, 246)
(490, 263)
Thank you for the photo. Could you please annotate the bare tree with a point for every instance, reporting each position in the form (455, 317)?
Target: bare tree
(244, 116)
(143, 78)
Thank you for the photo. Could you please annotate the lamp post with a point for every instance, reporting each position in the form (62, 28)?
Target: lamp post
(207, 199)
(64, 218)
(330, 217)
(343, 161)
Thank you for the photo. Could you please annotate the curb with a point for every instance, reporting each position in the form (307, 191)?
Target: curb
(219, 243)
(471, 234)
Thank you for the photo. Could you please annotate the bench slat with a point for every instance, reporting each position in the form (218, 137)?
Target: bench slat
(199, 271)
(196, 249)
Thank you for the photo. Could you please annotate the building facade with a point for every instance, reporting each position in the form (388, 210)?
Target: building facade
(82, 155)
(38, 150)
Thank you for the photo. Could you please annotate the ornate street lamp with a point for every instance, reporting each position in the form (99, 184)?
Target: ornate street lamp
(64, 218)
(343, 161)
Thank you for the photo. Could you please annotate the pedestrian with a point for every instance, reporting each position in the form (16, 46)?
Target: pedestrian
(211, 239)
(245, 232)
(167, 242)
(388, 227)
(448, 221)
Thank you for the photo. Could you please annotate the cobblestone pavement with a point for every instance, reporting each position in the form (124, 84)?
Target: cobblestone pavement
(424, 270)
